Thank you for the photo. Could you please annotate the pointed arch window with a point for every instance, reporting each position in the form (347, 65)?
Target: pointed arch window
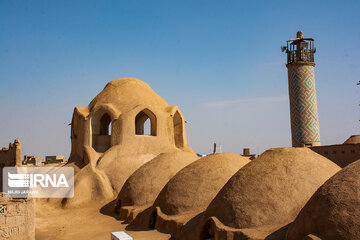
(145, 123)
(178, 130)
(105, 125)
(101, 128)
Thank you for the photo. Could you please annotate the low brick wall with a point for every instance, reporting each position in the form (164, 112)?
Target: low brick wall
(341, 154)
(17, 219)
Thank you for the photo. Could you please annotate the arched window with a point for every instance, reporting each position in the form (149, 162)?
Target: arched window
(105, 122)
(101, 131)
(178, 130)
(73, 127)
(145, 123)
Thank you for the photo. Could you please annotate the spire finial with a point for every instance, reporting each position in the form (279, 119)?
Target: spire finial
(299, 34)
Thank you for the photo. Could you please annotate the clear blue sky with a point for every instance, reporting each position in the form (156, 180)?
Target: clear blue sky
(219, 61)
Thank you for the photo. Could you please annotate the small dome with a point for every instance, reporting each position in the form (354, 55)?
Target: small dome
(196, 185)
(89, 184)
(333, 212)
(271, 190)
(144, 185)
(354, 139)
(189, 192)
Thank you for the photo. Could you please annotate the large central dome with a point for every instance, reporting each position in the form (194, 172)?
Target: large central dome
(125, 94)
(126, 125)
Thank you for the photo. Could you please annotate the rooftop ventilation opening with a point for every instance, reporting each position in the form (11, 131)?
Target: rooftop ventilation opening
(105, 125)
(152, 220)
(178, 130)
(145, 123)
(101, 125)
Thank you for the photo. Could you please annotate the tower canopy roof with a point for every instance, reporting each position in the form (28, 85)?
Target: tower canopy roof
(300, 36)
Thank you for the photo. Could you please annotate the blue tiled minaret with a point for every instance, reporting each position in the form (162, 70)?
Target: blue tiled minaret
(302, 93)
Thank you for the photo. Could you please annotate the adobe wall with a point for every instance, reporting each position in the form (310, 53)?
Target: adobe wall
(80, 127)
(11, 156)
(342, 154)
(17, 219)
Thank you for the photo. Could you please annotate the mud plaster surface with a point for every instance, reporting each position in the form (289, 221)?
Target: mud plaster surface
(83, 223)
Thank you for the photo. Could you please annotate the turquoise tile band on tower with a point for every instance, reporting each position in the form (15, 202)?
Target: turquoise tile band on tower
(303, 105)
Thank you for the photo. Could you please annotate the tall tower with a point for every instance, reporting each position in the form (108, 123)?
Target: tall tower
(302, 94)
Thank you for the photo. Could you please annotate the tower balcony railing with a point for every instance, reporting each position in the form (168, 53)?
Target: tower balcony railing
(304, 55)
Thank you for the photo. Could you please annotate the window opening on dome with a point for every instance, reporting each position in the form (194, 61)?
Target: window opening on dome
(178, 130)
(101, 127)
(145, 123)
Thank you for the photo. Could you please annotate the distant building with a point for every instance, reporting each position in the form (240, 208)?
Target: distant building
(341, 154)
(55, 159)
(28, 159)
(11, 156)
(246, 153)
(31, 160)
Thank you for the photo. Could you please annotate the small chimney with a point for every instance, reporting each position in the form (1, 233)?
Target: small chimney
(246, 151)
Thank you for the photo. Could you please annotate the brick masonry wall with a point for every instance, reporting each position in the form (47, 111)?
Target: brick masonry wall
(17, 219)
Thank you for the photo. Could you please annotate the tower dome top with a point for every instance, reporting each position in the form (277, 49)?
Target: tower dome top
(299, 34)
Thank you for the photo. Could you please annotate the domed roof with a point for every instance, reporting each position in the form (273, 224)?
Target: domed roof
(126, 93)
(354, 139)
(192, 188)
(89, 184)
(333, 212)
(271, 189)
(143, 186)
(118, 163)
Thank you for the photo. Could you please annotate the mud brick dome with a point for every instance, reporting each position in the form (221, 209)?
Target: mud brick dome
(110, 138)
